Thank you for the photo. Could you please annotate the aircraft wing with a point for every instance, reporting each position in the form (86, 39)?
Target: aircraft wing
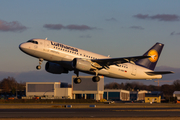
(115, 61)
(159, 72)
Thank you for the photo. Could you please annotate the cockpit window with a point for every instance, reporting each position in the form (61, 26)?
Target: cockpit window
(32, 41)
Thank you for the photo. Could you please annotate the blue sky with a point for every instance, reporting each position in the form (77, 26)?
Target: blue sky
(118, 28)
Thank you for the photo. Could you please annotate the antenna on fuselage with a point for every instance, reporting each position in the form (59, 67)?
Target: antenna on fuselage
(46, 38)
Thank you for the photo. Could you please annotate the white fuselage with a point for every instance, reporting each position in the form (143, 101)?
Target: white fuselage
(57, 52)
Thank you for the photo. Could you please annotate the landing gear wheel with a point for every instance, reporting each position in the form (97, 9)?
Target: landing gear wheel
(38, 67)
(96, 79)
(40, 62)
(77, 80)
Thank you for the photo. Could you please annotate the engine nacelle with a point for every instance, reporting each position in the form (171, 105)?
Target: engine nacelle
(55, 68)
(81, 64)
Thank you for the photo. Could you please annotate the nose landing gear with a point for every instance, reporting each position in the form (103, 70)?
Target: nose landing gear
(38, 67)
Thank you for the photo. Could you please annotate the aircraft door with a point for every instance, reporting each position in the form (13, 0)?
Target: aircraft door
(134, 70)
(46, 44)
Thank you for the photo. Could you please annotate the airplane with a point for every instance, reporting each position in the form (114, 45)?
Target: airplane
(62, 58)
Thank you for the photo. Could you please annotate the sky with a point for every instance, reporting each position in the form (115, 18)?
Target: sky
(118, 28)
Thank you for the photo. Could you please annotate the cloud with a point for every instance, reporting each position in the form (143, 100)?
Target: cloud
(160, 17)
(13, 26)
(137, 27)
(174, 33)
(111, 19)
(53, 26)
(69, 27)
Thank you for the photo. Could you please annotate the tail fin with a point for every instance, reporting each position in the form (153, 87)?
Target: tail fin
(154, 52)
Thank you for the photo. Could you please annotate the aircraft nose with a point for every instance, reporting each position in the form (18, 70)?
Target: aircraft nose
(22, 46)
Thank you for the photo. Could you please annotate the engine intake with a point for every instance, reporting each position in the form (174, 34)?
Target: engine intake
(81, 64)
(55, 68)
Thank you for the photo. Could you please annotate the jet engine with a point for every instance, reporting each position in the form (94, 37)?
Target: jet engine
(81, 64)
(55, 68)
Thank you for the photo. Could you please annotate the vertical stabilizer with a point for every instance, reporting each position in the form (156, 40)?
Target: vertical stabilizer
(154, 52)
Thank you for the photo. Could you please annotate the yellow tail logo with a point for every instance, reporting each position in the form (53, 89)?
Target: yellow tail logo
(154, 55)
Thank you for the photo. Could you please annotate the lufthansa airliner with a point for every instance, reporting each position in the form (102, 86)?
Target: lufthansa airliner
(62, 58)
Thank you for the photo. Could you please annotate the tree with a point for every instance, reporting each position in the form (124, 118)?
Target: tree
(113, 85)
(8, 84)
(167, 90)
(176, 84)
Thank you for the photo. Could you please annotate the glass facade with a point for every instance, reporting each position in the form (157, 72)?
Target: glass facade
(115, 96)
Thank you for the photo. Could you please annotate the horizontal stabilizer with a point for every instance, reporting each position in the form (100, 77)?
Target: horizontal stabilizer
(159, 72)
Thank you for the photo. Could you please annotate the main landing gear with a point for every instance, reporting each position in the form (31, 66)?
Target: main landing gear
(40, 62)
(96, 79)
(78, 80)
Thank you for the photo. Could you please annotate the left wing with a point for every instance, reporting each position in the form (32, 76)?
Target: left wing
(115, 61)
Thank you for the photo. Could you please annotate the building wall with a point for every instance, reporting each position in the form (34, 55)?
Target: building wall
(176, 94)
(153, 99)
(125, 96)
(141, 95)
(87, 84)
(88, 89)
(41, 88)
(116, 95)
(63, 92)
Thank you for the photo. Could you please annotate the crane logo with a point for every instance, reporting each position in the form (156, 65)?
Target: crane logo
(154, 55)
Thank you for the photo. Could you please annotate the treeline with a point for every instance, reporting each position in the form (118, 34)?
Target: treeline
(166, 89)
(11, 86)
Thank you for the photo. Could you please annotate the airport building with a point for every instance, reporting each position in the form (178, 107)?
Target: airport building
(152, 98)
(48, 90)
(116, 95)
(176, 94)
(88, 89)
(138, 95)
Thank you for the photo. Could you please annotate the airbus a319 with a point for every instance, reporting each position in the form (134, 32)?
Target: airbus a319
(62, 58)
